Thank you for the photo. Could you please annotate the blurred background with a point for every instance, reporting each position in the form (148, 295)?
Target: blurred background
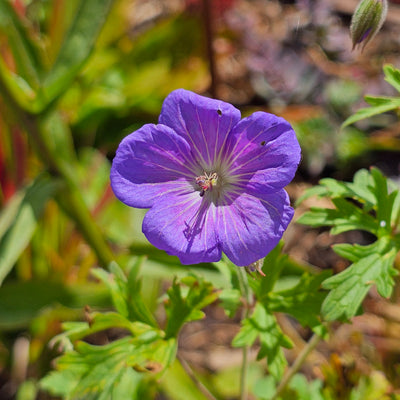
(291, 58)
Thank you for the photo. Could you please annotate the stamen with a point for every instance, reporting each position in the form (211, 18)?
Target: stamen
(206, 182)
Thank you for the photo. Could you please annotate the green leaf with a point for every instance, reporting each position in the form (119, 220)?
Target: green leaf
(302, 301)
(93, 372)
(385, 281)
(371, 191)
(354, 252)
(382, 105)
(136, 304)
(392, 76)
(78, 44)
(379, 104)
(100, 322)
(126, 292)
(384, 200)
(349, 288)
(99, 372)
(361, 187)
(262, 324)
(346, 217)
(117, 295)
(23, 51)
(20, 228)
(186, 299)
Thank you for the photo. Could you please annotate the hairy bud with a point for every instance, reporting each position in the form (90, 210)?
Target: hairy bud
(367, 20)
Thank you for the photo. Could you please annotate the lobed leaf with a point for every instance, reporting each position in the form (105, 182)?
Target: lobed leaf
(345, 217)
(375, 208)
(126, 292)
(392, 76)
(101, 372)
(262, 325)
(370, 203)
(185, 301)
(303, 301)
(384, 200)
(355, 252)
(348, 288)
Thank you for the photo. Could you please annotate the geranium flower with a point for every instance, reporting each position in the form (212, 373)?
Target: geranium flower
(213, 182)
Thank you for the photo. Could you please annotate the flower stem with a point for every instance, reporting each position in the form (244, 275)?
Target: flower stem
(248, 298)
(194, 378)
(296, 365)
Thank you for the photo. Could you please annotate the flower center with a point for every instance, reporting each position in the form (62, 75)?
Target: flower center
(206, 182)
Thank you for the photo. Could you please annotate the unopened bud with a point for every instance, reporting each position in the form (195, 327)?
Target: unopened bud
(256, 266)
(367, 20)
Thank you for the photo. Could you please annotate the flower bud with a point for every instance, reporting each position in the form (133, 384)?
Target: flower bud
(367, 20)
(256, 266)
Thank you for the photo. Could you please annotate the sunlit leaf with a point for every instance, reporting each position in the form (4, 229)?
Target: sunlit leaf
(97, 372)
(369, 203)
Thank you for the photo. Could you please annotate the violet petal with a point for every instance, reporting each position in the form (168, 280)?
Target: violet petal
(204, 123)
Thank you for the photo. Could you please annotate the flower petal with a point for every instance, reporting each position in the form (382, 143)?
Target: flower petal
(263, 152)
(204, 123)
(150, 162)
(250, 227)
(183, 225)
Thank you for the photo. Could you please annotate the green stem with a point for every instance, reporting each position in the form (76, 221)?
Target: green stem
(296, 365)
(248, 298)
(194, 378)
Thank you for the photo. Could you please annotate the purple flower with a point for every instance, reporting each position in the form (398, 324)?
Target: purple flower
(213, 183)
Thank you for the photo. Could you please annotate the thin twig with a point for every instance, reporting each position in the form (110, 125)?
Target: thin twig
(296, 365)
(194, 378)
